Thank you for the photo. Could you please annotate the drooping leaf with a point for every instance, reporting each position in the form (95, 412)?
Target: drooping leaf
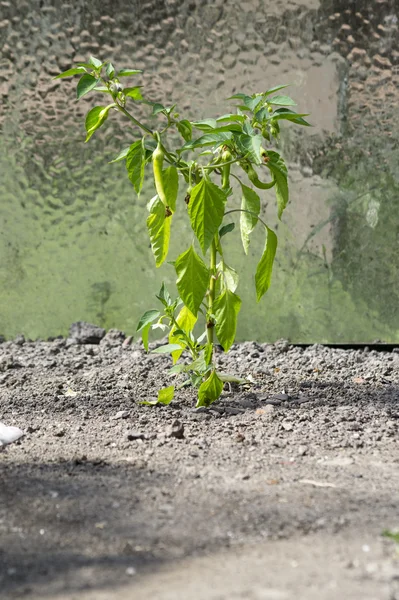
(133, 92)
(166, 349)
(185, 129)
(226, 308)
(209, 390)
(95, 118)
(289, 115)
(279, 170)
(144, 335)
(250, 202)
(71, 72)
(282, 101)
(249, 145)
(85, 84)
(206, 211)
(211, 126)
(265, 266)
(185, 321)
(165, 396)
(209, 139)
(128, 72)
(229, 277)
(171, 186)
(148, 317)
(158, 225)
(121, 156)
(226, 229)
(192, 279)
(135, 163)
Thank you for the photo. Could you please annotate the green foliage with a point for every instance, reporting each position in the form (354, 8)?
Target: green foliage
(228, 148)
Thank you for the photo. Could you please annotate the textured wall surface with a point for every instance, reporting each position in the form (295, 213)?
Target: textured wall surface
(72, 238)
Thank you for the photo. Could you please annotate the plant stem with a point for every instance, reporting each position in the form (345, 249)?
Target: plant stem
(135, 121)
(211, 295)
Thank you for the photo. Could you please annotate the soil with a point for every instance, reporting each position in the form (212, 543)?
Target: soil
(280, 490)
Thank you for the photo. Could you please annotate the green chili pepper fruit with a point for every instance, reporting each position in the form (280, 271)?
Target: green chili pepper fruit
(253, 178)
(157, 164)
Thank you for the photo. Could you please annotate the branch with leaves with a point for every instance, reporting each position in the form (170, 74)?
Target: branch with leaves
(230, 146)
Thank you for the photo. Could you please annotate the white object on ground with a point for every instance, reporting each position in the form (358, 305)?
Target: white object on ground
(8, 435)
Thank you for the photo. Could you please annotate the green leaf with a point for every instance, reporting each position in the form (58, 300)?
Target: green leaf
(164, 296)
(157, 108)
(252, 103)
(226, 229)
(185, 129)
(144, 335)
(278, 168)
(209, 139)
(289, 115)
(133, 92)
(148, 317)
(249, 145)
(165, 396)
(276, 89)
(185, 322)
(95, 118)
(192, 279)
(205, 125)
(166, 349)
(102, 88)
(206, 211)
(265, 266)
(250, 202)
(209, 390)
(95, 62)
(231, 117)
(121, 156)
(226, 308)
(171, 186)
(110, 70)
(282, 101)
(70, 72)
(85, 84)
(158, 225)
(391, 535)
(135, 163)
(127, 72)
(229, 279)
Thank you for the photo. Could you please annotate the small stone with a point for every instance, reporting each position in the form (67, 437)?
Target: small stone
(19, 340)
(302, 450)
(122, 414)
(86, 333)
(127, 342)
(135, 435)
(200, 409)
(176, 430)
(282, 397)
(302, 399)
(131, 571)
(287, 426)
(59, 433)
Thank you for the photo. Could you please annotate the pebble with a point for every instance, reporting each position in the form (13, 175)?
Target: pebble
(281, 397)
(176, 430)
(135, 435)
(287, 426)
(122, 414)
(232, 410)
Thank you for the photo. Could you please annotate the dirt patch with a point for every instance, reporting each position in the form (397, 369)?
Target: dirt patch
(300, 470)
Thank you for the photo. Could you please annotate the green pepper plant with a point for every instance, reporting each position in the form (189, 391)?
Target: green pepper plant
(211, 156)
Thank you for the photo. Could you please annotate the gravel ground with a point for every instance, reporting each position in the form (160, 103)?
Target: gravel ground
(282, 489)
